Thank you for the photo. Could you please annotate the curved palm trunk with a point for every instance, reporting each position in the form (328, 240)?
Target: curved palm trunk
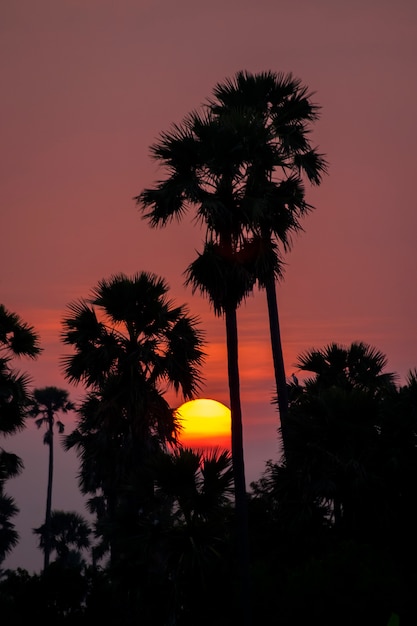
(277, 356)
(47, 543)
(238, 463)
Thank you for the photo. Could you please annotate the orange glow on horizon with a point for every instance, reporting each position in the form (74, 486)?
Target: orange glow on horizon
(205, 423)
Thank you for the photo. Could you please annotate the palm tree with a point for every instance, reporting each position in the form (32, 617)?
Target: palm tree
(346, 492)
(17, 339)
(335, 428)
(68, 533)
(47, 403)
(357, 366)
(130, 344)
(280, 111)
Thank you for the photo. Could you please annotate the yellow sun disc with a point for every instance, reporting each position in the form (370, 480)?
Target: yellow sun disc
(204, 422)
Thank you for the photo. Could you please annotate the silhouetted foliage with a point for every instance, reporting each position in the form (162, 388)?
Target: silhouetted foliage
(17, 339)
(47, 403)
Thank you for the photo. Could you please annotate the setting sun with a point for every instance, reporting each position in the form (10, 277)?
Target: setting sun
(205, 423)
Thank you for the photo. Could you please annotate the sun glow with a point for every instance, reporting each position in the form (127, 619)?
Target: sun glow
(204, 423)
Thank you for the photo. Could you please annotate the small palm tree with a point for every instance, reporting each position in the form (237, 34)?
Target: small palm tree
(47, 403)
(68, 533)
(357, 366)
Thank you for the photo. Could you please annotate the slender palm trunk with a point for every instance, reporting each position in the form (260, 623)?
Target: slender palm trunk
(277, 356)
(241, 503)
(47, 546)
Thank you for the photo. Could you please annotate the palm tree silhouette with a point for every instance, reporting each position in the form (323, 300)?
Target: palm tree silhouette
(48, 403)
(337, 419)
(130, 345)
(68, 533)
(278, 111)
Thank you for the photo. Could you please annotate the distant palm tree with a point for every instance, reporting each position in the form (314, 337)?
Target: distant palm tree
(17, 339)
(68, 533)
(357, 366)
(47, 403)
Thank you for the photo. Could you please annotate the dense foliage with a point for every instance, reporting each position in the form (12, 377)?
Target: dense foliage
(332, 526)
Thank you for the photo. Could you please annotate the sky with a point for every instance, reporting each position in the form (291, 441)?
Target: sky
(88, 86)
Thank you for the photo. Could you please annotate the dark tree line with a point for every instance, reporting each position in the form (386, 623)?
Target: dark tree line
(332, 523)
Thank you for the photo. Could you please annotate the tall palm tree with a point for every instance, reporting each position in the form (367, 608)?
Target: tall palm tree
(130, 344)
(226, 277)
(279, 108)
(48, 402)
(17, 339)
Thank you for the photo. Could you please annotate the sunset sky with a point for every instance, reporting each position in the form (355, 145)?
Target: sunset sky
(88, 85)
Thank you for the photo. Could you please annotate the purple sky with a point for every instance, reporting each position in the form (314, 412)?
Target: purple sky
(87, 86)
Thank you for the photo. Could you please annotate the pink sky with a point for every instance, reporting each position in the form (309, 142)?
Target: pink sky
(87, 86)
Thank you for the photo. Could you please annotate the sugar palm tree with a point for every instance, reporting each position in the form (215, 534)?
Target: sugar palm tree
(279, 108)
(67, 535)
(337, 421)
(48, 402)
(357, 366)
(17, 339)
(130, 344)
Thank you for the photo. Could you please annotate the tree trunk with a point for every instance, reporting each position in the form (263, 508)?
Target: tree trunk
(241, 504)
(278, 358)
(47, 541)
